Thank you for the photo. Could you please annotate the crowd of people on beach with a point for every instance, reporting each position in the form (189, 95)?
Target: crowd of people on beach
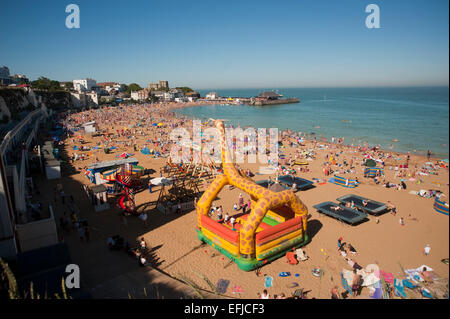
(122, 128)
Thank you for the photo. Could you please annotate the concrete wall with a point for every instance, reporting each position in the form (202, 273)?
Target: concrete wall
(53, 172)
(8, 247)
(38, 234)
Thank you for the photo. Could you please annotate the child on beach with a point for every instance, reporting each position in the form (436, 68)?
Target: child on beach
(426, 250)
(392, 208)
(352, 249)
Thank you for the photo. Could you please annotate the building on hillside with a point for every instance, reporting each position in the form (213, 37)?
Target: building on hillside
(192, 94)
(112, 87)
(84, 85)
(107, 84)
(20, 79)
(5, 78)
(153, 86)
(158, 94)
(4, 72)
(84, 99)
(160, 85)
(169, 96)
(164, 84)
(212, 96)
(140, 95)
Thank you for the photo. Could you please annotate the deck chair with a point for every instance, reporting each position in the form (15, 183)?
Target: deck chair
(301, 256)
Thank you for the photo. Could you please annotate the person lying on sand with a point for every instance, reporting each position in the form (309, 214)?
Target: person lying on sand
(392, 208)
(426, 275)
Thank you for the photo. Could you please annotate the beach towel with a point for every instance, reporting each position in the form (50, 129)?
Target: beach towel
(426, 293)
(222, 286)
(145, 151)
(388, 277)
(413, 275)
(399, 289)
(268, 282)
(236, 289)
(345, 284)
(409, 284)
(378, 294)
(370, 280)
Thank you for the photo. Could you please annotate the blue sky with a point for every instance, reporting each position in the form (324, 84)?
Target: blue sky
(230, 44)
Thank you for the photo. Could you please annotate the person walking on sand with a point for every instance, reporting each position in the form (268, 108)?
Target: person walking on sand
(241, 201)
(87, 234)
(124, 221)
(335, 293)
(81, 233)
(143, 217)
(265, 294)
(426, 250)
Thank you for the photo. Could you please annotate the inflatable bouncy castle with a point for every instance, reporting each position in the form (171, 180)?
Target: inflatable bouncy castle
(258, 237)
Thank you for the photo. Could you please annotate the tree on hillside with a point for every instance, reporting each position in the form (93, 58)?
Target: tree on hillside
(185, 89)
(133, 87)
(44, 83)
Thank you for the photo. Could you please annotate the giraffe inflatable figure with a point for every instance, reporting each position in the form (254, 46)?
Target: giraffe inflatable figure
(246, 247)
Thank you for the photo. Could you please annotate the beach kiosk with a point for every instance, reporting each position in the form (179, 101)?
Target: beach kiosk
(95, 170)
(89, 127)
(97, 196)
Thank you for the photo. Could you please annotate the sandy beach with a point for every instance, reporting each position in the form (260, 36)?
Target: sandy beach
(177, 251)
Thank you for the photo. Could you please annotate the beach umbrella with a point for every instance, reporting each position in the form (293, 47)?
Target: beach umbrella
(371, 163)
(160, 124)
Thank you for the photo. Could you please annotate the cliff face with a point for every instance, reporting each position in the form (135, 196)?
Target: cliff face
(14, 101)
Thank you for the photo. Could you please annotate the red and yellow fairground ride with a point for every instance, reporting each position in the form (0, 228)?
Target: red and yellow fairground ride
(275, 224)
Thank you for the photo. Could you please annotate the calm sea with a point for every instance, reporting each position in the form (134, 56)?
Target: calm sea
(416, 117)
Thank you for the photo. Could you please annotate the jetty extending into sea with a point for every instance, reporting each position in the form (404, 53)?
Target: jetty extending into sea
(270, 98)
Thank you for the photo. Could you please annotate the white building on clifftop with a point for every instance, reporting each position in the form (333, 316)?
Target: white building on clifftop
(84, 85)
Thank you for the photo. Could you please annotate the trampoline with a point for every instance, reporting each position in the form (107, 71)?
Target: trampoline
(348, 215)
(373, 207)
(266, 183)
(301, 183)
